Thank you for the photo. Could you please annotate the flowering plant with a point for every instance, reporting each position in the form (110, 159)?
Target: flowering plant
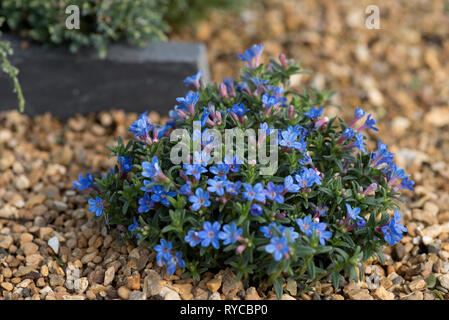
(324, 206)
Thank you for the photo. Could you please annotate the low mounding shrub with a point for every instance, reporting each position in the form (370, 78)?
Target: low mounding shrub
(104, 21)
(326, 206)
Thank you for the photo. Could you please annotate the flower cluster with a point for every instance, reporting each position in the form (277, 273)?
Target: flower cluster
(324, 210)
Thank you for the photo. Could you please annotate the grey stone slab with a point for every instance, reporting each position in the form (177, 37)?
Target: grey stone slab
(130, 78)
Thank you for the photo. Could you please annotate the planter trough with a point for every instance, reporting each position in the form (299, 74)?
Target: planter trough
(131, 78)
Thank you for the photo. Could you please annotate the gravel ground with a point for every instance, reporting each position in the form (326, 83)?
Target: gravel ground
(52, 247)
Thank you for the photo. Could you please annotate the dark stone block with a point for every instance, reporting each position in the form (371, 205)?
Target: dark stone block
(130, 78)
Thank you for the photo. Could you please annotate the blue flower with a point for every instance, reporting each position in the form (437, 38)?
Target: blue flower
(314, 112)
(145, 203)
(133, 226)
(360, 222)
(125, 163)
(217, 186)
(406, 184)
(369, 123)
(307, 177)
(267, 231)
(306, 225)
(221, 170)
(278, 247)
(353, 213)
(270, 101)
(230, 233)
(393, 231)
(160, 195)
(229, 83)
(264, 128)
(147, 186)
(256, 192)
(142, 126)
(193, 80)
(233, 188)
(173, 261)
(234, 163)
(186, 188)
(96, 206)
(190, 99)
(239, 109)
(200, 199)
(192, 238)
(359, 142)
(348, 133)
(256, 210)
(194, 170)
(163, 251)
(359, 113)
(289, 184)
(395, 172)
(151, 170)
(323, 235)
(251, 54)
(83, 183)
(209, 234)
(306, 160)
(274, 192)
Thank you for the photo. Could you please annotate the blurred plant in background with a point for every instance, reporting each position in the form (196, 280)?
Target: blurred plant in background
(101, 22)
(10, 70)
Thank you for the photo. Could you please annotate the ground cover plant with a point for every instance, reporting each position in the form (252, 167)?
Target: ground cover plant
(328, 205)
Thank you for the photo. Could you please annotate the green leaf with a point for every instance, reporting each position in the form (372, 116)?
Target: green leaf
(431, 281)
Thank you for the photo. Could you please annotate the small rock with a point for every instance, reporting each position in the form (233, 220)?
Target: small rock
(6, 241)
(56, 280)
(22, 182)
(444, 280)
(169, 294)
(183, 288)
(124, 293)
(24, 271)
(292, 287)
(80, 285)
(29, 248)
(383, 294)
(287, 297)
(133, 282)
(417, 285)
(251, 294)
(215, 296)
(152, 284)
(7, 286)
(53, 243)
(137, 295)
(109, 276)
(214, 284)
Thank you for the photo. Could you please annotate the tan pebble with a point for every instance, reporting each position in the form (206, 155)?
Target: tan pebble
(251, 294)
(7, 273)
(26, 237)
(123, 292)
(338, 297)
(214, 284)
(90, 295)
(416, 285)
(382, 294)
(133, 282)
(7, 286)
(287, 297)
(29, 248)
(183, 288)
